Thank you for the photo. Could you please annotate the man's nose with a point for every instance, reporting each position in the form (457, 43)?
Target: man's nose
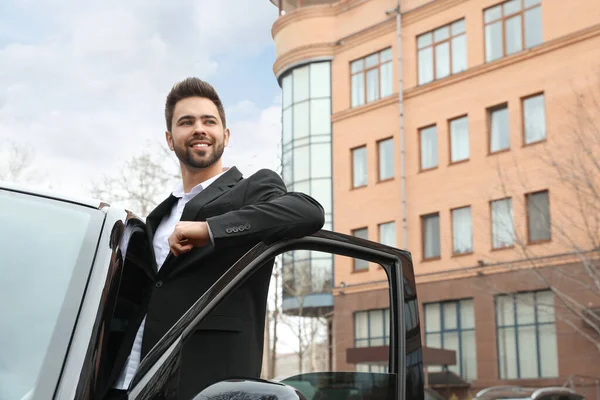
(199, 128)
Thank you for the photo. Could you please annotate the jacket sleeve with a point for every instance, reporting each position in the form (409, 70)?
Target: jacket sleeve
(270, 213)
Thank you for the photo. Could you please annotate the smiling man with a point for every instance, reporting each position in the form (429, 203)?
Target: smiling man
(209, 221)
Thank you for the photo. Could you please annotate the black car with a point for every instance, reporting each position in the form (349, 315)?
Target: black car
(68, 264)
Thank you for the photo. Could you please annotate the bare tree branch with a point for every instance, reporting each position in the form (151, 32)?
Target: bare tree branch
(16, 162)
(575, 224)
(142, 182)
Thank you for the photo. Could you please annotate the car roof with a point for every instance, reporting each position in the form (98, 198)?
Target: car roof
(37, 191)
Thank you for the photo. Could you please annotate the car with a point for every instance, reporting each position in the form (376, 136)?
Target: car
(69, 265)
(431, 394)
(524, 393)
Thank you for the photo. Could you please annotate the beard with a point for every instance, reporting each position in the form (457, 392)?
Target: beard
(200, 158)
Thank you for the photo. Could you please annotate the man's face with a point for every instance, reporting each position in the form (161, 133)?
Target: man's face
(197, 135)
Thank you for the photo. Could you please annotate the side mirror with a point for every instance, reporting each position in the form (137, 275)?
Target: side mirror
(249, 389)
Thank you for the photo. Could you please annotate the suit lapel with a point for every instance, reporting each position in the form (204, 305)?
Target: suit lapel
(153, 220)
(211, 193)
(215, 190)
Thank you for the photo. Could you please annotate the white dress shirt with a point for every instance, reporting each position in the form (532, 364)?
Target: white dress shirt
(161, 251)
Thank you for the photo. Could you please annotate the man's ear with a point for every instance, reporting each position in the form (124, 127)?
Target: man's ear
(169, 138)
(226, 135)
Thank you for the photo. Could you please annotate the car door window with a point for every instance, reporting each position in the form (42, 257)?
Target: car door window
(332, 341)
(343, 337)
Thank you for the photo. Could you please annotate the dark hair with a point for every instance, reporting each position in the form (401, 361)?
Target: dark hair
(191, 87)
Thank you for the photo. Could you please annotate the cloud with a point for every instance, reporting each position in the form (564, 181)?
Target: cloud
(87, 91)
(236, 20)
(254, 142)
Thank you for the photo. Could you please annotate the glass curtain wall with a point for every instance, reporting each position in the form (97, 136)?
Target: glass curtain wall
(306, 167)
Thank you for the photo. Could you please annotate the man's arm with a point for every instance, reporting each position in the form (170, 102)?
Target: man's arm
(270, 213)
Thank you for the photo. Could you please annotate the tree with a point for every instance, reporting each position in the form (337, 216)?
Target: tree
(142, 182)
(572, 165)
(16, 162)
(308, 325)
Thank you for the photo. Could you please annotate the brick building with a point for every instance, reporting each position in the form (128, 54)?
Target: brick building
(497, 98)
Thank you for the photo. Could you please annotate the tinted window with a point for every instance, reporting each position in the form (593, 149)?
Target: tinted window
(40, 243)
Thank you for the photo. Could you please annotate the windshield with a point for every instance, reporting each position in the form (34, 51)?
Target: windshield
(41, 242)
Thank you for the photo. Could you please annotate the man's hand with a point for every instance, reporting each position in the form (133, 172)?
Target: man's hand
(188, 234)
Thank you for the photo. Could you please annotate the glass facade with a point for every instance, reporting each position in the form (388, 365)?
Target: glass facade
(306, 167)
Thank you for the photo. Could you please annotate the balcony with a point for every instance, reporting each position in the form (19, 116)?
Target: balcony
(285, 6)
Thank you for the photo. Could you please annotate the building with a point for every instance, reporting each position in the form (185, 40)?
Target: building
(441, 126)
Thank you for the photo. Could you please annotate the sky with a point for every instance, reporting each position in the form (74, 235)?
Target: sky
(83, 84)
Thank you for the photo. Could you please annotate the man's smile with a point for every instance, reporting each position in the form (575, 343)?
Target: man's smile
(200, 144)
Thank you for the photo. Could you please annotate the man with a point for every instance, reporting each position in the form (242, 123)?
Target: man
(209, 221)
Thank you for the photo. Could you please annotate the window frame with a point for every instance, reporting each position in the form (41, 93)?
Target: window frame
(378, 143)
(364, 72)
(367, 267)
(422, 218)
(454, 253)
(523, 117)
(489, 111)
(393, 221)
(516, 325)
(386, 332)
(458, 328)
(437, 163)
(352, 169)
(512, 246)
(502, 20)
(434, 44)
(528, 221)
(449, 123)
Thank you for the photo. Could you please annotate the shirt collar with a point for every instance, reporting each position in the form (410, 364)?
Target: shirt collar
(179, 192)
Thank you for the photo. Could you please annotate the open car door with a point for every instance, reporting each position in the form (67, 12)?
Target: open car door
(374, 351)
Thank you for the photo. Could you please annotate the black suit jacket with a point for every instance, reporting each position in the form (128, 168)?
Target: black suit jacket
(240, 213)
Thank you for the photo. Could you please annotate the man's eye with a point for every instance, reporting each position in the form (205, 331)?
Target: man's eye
(186, 123)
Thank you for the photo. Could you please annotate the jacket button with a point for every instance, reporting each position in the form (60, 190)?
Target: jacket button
(159, 284)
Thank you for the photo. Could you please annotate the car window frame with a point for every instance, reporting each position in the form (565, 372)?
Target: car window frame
(51, 369)
(162, 359)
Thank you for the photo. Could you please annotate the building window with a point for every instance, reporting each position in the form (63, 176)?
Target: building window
(512, 26)
(373, 368)
(459, 139)
(534, 119)
(371, 77)
(372, 328)
(451, 325)
(359, 264)
(526, 335)
(430, 225)
(306, 166)
(462, 231)
(499, 137)
(387, 234)
(503, 232)
(538, 217)
(429, 147)
(359, 167)
(442, 52)
(385, 153)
